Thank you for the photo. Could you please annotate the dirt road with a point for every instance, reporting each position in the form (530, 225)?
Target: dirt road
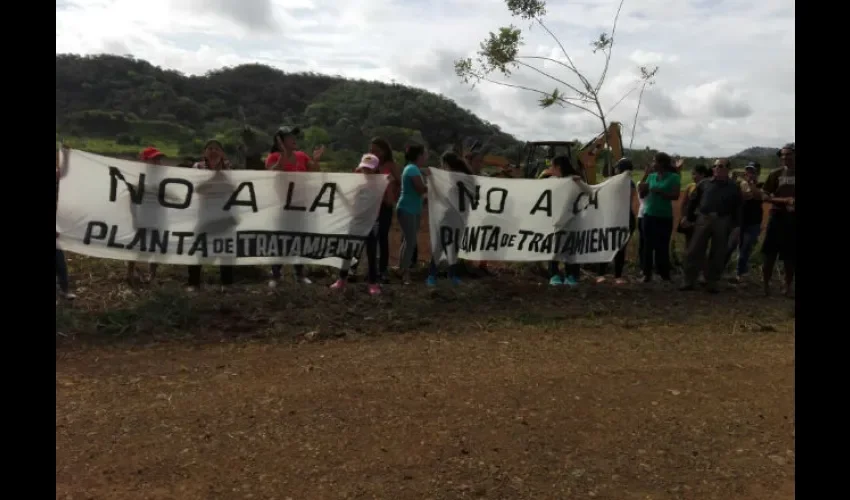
(523, 409)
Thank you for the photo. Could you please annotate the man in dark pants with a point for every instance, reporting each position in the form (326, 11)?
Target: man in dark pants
(717, 204)
(780, 240)
(752, 214)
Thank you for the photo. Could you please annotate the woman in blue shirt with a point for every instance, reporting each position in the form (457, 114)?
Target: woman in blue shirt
(409, 206)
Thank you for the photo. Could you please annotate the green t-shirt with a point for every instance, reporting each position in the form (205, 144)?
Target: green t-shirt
(655, 205)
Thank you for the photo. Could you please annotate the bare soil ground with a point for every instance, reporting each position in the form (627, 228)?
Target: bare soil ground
(502, 388)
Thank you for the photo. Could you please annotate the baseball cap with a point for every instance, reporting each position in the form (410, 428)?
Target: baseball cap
(369, 161)
(624, 164)
(752, 166)
(148, 154)
(287, 130)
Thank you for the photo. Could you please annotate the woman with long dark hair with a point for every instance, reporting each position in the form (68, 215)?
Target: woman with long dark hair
(452, 162)
(622, 166)
(214, 159)
(285, 157)
(381, 148)
(659, 188)
(409, 206)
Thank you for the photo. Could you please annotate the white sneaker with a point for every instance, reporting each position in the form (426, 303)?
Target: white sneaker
(190, 289)
(305, 280)
(69, 295)
(273, 283)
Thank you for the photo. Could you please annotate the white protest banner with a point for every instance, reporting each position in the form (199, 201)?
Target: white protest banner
(488, 218)
(128, 210)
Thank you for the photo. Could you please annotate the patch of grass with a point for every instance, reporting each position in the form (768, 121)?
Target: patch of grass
(108, 310)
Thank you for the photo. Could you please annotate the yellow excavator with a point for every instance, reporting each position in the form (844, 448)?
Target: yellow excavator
(589, 154)
(534, 155)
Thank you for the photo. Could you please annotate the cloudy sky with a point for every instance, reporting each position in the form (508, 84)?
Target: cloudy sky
(726, 79)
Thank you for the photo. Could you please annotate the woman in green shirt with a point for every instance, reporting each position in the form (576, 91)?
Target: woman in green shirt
(659, 188)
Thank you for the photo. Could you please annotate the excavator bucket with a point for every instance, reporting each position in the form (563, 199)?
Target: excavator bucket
(589, 154)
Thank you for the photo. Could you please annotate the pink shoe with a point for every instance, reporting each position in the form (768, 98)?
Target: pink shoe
(338, 284)
(375, 289)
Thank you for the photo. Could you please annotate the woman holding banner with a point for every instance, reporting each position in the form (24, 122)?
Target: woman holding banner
(214, 159)
(452, 162)
(369, 165)
(561, 167)
(474, 157)
(409, 207)
(623, 166)
(381, 148)
(150, 156)
(285, 157)
(61, 265)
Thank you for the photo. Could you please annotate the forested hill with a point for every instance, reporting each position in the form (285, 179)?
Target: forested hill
(117, 105)
(132, 103)
(758, 152)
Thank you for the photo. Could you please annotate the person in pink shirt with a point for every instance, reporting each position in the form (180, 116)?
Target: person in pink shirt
(285, 157)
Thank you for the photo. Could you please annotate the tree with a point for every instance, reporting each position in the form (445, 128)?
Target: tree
(647, 77)
(500, 53)
(315, 137)
(133, 97)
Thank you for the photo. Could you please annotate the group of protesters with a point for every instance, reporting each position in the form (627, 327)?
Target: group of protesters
(719, 215)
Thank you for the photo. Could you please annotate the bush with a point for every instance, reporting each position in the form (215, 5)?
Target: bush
(128, 140)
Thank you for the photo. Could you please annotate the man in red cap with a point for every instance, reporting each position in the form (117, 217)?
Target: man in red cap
(152, 156)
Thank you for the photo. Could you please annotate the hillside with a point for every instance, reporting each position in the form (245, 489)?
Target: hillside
(757, 152)
(117, 105)
(121, 104)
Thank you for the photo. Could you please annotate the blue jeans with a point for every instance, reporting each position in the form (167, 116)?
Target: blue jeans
(747, 242)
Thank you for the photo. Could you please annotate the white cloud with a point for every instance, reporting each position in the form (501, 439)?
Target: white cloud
(727, 66)
(644, 58)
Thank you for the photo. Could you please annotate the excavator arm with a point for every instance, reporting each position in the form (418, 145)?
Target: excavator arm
(589, 154)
